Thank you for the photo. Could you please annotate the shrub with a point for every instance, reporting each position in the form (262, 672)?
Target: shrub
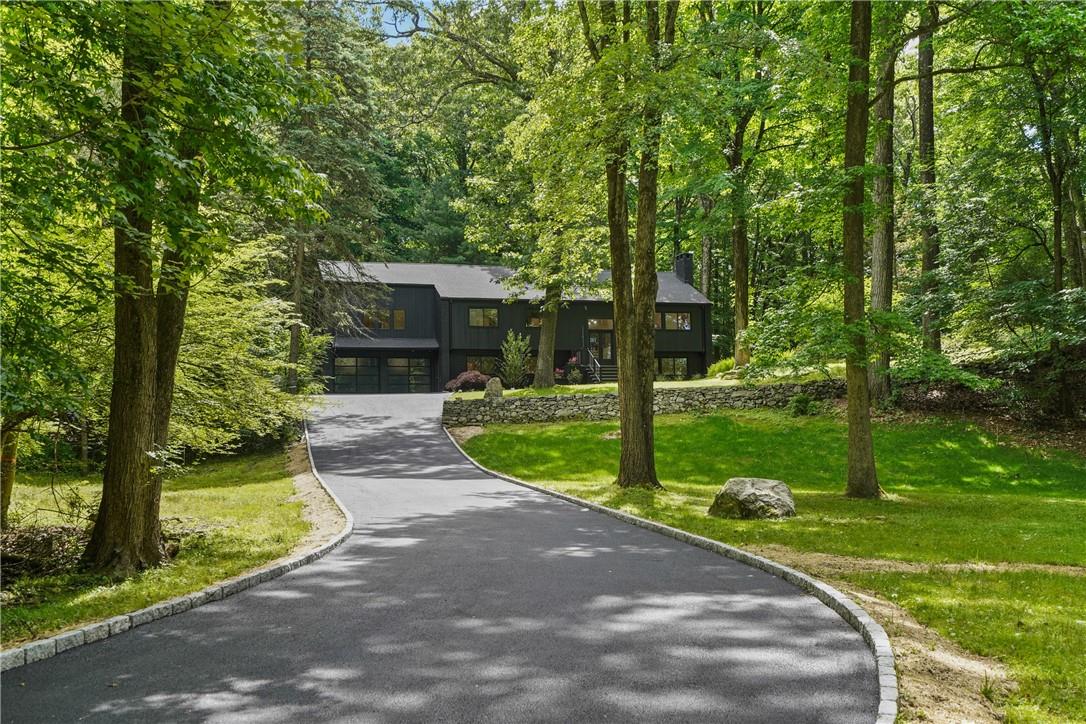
(803, 405)
(721, 366)
(514, 365)
(468, 380)
(574, 376)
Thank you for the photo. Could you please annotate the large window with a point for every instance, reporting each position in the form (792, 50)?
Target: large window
(671, 366)
(377, 319)
(599, 324)
(486, 364)
(673, 321)
(356, 374)
(385, 319)
(483, 317)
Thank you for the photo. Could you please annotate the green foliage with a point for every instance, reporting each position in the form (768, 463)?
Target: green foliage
(921, 365)
(574, 376)
(721, 366)
(515, 362)
(233, 361)
(803, 405)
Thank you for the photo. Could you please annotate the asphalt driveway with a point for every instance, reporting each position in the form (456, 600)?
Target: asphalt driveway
(460, 597)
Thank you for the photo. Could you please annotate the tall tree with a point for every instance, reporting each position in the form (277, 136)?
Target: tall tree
(210, 110)
(926, 162)
(126, 535)
(883, 252)
(862, 479)
(633, 268)
(332, 131)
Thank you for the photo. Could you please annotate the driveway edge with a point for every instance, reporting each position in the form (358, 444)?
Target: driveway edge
(33, 651)
(872, 632)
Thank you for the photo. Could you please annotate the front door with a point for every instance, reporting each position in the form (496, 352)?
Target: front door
(602, 346)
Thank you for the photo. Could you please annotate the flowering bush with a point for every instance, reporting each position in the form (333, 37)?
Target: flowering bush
(468, 380)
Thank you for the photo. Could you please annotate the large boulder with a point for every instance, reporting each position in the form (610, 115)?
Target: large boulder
(753, 498)
(493, 388)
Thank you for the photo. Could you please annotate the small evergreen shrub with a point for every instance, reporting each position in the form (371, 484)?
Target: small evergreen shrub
(516, 350)
(574, 376)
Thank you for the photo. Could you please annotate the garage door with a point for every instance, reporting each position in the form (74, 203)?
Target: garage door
(357, 374)
(407, 374)
(375, 374)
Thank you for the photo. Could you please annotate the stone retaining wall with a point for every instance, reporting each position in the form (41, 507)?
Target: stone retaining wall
(458, 413)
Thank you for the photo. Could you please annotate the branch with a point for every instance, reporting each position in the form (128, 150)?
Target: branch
(586, 26)
(944, 71)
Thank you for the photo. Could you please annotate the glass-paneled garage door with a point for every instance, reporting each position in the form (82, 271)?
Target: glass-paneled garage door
(377, 374)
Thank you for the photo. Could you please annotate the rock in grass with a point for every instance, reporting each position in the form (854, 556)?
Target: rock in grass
(753, 498)
(493, 388)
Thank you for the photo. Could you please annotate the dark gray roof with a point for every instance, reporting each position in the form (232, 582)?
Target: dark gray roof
(343, 342)
(469, 281)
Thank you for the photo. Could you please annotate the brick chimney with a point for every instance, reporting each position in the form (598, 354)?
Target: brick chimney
(684, 267)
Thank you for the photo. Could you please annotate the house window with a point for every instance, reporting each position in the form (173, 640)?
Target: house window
(483, 317)
(485, 364)
(673, 321)
(598, 324)
(385, 319)
(377, 319)
(671, 366)
(535, 321)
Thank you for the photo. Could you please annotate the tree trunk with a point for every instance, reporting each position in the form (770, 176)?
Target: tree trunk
(740, 242)
(862, 479)
(1056, 157)
(929, 231)
(638, 467)
(124, 540)
(677, 232)
(741, 272)
(172, 299)
(1072, 237)
(296, 295)
(1077, 212)
(84, 447)
(706, 249)
(297, 290)
(544, 365)
(882, 241)
(9, 449)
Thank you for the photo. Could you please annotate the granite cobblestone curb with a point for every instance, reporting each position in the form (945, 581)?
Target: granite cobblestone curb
(872, 632)
(45, 648)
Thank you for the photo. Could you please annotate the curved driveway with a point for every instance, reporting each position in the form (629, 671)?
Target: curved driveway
(465, 598)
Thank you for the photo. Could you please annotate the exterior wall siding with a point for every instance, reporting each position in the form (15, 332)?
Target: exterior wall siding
(420, 305)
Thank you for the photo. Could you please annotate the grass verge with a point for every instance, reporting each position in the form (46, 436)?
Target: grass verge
(835, 371)
(236, 515)
(958, 494)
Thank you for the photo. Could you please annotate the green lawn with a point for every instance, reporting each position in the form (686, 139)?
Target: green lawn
(238, 508)
(958, 494)
(835, 370)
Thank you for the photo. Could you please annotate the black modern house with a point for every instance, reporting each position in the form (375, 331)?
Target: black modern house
(443, 319)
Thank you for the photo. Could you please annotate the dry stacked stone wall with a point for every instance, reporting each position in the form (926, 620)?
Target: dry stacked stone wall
(459, 413)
